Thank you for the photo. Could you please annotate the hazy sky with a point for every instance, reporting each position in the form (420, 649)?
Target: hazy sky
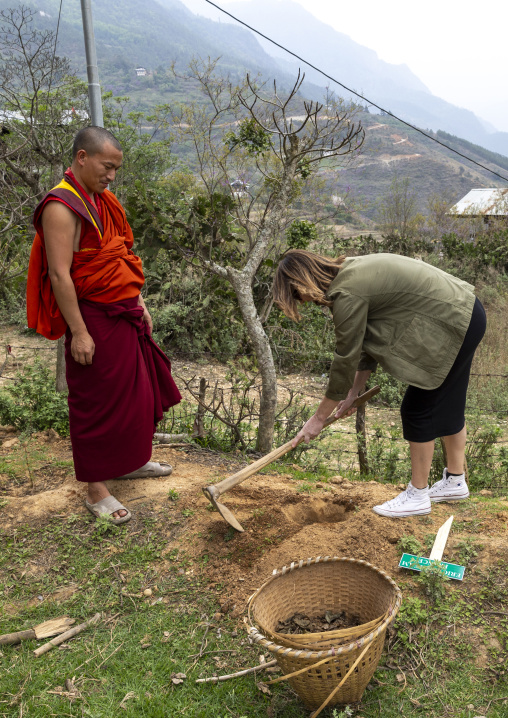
(459, 50)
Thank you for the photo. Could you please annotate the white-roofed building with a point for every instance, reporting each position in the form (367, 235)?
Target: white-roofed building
(482, 204)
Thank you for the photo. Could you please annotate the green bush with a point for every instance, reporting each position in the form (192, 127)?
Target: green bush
(412, 612)
(433, 580)
(410, 544)
(392, 390)
(31, 402)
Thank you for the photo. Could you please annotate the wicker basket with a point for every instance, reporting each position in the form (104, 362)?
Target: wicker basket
(329, 667)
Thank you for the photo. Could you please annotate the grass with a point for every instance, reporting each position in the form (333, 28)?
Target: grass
(126, 665)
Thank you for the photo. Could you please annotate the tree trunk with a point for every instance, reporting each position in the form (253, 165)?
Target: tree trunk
(61, 381)
(57, 172)
(263, 351)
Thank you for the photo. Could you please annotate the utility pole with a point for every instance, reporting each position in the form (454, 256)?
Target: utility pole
(94, 88)
(95, 98)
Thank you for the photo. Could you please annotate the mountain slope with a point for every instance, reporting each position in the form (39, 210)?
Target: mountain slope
(153, 35)
(432, 171)
(393, 87)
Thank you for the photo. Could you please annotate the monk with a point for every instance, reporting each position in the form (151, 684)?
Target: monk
(84, 281)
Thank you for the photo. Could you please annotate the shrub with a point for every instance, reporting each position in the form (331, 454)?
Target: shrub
(31, 402)
(433, 580)
(410, 544)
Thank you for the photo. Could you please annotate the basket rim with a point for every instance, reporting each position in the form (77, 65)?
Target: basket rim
(256, 636)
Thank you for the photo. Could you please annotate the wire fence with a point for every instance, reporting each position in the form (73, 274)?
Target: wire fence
(223, 413)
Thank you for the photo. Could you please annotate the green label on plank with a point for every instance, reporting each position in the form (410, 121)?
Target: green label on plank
(415, 563)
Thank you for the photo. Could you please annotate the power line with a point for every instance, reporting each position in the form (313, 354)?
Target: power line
(370, 102)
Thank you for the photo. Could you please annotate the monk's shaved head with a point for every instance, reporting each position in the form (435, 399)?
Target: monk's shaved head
(92, 140)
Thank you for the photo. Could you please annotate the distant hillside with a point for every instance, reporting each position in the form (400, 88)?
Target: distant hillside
(153, 35)
(393, 87)
(391, 150)
(156, 33)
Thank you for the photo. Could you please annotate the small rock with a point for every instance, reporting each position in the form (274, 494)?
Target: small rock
(470, 707)
(147, 592)
(227, 606)
(483, 492)
(10, 443)
(336, 480)
(217, 616)
(393, 539)
(319, 486)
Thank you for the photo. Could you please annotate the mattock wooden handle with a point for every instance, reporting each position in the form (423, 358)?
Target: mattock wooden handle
(217, 489)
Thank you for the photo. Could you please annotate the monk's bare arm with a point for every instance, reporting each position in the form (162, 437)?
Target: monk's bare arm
(61, 237)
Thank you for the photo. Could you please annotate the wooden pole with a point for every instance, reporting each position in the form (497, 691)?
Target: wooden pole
(199, 428)
(61, 381)
(361, 439)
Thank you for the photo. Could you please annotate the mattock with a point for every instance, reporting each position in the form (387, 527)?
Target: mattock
(213, 492)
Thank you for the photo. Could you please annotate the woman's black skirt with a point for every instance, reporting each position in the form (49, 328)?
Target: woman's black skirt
(431, 413)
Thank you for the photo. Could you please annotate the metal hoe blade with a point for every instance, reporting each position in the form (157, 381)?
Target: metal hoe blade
(226, 514)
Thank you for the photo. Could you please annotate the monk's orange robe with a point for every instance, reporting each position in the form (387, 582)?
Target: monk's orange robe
(108, 274)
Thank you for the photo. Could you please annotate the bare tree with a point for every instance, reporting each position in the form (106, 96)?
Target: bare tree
(255, 151)
(398, 212)
(41, 108)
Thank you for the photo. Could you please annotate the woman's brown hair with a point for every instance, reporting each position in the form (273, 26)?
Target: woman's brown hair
(303, 273)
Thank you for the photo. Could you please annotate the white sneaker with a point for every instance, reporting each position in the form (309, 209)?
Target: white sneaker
(449, 488)
(411, 502)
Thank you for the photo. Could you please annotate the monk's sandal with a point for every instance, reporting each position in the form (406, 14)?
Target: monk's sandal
(151, 470)
(107, 507)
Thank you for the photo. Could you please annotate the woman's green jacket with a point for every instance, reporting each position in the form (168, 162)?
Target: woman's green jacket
(404, 314)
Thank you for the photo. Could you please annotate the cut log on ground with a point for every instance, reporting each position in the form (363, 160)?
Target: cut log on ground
(65, 636)
(42, 630)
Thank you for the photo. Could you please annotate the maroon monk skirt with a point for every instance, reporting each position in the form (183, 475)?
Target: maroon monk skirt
(116, 402)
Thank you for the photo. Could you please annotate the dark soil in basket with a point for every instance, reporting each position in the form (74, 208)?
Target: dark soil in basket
(329, 621)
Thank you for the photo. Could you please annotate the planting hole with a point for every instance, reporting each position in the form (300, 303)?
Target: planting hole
(318, 511)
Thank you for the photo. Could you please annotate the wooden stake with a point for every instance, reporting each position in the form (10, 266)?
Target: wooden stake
(65, 636)
(440, 541)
